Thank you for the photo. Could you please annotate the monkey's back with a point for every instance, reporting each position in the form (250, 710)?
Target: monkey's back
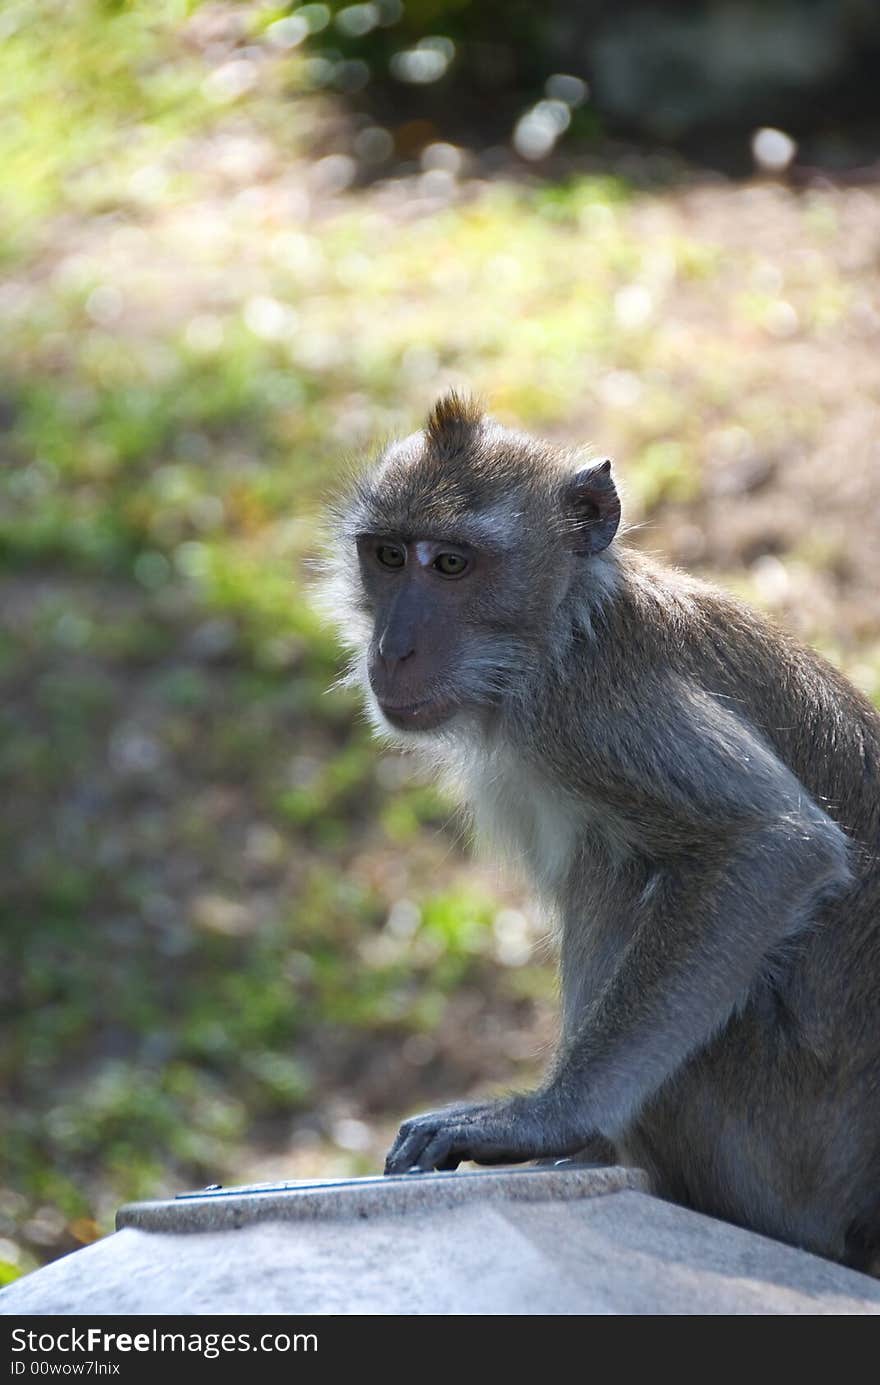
(776, 1122)
(820, 726)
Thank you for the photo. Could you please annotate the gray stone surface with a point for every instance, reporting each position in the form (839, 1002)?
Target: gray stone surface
(583, 1241)
(347, 1198)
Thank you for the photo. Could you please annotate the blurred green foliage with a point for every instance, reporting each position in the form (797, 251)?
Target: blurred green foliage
(233, 928)
(76, 74)
(192, 955)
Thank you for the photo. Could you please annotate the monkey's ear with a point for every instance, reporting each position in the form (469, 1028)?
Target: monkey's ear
(592, 507)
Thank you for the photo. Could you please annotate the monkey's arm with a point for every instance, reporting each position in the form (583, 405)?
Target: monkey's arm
(742, 854)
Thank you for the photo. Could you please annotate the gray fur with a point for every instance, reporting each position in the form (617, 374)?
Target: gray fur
(695, 796)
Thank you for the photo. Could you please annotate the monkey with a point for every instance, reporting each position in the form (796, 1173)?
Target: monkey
(691, 792)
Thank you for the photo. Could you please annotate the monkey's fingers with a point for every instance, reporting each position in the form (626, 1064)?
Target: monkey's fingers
(406, 1152)
(483, 1143)
(428, 1147)
(445, 1152)
(443, 1140)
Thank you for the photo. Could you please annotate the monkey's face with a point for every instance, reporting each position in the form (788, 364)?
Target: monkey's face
(468, 537)
(439, 642)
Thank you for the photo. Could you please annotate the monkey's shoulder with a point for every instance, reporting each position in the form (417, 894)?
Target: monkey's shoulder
(667, 623)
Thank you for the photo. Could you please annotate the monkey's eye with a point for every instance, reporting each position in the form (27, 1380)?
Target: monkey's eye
(451, 564)
(390, 555)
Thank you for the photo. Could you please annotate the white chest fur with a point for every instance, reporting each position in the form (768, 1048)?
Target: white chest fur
(519, 813)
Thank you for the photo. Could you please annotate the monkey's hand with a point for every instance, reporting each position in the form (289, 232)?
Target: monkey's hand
(498, 1132)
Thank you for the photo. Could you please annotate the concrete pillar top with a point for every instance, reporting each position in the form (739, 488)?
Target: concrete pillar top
(309, 1200)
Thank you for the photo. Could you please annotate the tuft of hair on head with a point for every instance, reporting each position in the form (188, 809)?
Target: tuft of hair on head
(452, 422)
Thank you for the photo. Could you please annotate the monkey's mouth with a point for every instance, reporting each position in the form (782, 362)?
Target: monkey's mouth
(418, 716)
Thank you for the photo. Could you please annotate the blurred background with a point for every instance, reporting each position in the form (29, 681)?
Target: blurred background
(240, 243)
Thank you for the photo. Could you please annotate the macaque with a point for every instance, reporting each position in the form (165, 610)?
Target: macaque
(692, 794)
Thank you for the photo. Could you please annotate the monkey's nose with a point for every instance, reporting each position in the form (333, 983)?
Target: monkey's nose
(395, 648)
(391, 662)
